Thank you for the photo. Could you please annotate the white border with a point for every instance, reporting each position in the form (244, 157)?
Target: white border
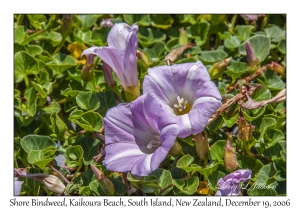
(153, 6)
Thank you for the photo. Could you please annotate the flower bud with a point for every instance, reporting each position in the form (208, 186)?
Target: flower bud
(54, 184)
(245, 129)
(108, 77)
(277, 68)
(202, 146)
(143, 57)
(217, 69)
(105, 184)
(87, 71)
(230, 158)
(252, 60)
(107, 23)
(176, 149)
(183, 39)
(67, 24)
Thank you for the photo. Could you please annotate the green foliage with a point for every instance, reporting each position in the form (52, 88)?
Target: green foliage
(57, 113)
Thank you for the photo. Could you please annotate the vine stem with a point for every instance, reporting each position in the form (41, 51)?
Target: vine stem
(163, 190)
(247, 149)
(60, 174)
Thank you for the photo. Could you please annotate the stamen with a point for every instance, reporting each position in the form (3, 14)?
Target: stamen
(181, 104)
(153, 143)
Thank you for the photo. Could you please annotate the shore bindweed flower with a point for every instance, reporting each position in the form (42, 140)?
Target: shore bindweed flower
(229, 185)
(120, 55)
(187, 92)
(138, 136)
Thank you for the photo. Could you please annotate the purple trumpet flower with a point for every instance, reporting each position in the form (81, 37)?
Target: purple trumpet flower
(229, 185)
(120, 54)
(138, 136)
(187, 92)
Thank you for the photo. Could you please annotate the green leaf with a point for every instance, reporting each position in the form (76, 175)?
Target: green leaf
(247, 162)
(43, 90)
(148, 37)
(199, 32)
(87, 21)
(37, 20)
(95, 187)
(264, 191)
(209, 169)
(271, 80)
(32, 186)
(155, 53)
(82, 37)
(216, 151)
(73, 156)
(274, 32)
(186, 187)
(261, 46)
(54, 107)
(24, 64)
(87, 101)
(36, 142)
(213, 179)
(213, 56)
(140, 19)
(107, 100)
(275, 150)
(90, 148)
(29, 106)
(232, 42)
(91, 121)
(99, 36)
(20, 34)
(243, 32)
(273, 136)
(61, 62)
(185, 161)
(265, 173)
(165, 180)
(263, 124)
(36, 157)
(282, 46)
(162, 21)
(34, 50)
(120, 188)
(178, 173)
(55, 38)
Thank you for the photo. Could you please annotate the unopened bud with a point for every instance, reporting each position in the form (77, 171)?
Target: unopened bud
(66, 26)
(108, 77)
(252, 60)
(245, 129)
(105, 184)
(107, 23)
(230, 158)
(143, 57)
(277, 68)
(87, 72)
(176, 149)
(217, 69)
(51, 182)
(202, 146)
(183, 39)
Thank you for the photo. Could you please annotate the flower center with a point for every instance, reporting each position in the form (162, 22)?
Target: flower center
(154, 143)
(183, 107)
